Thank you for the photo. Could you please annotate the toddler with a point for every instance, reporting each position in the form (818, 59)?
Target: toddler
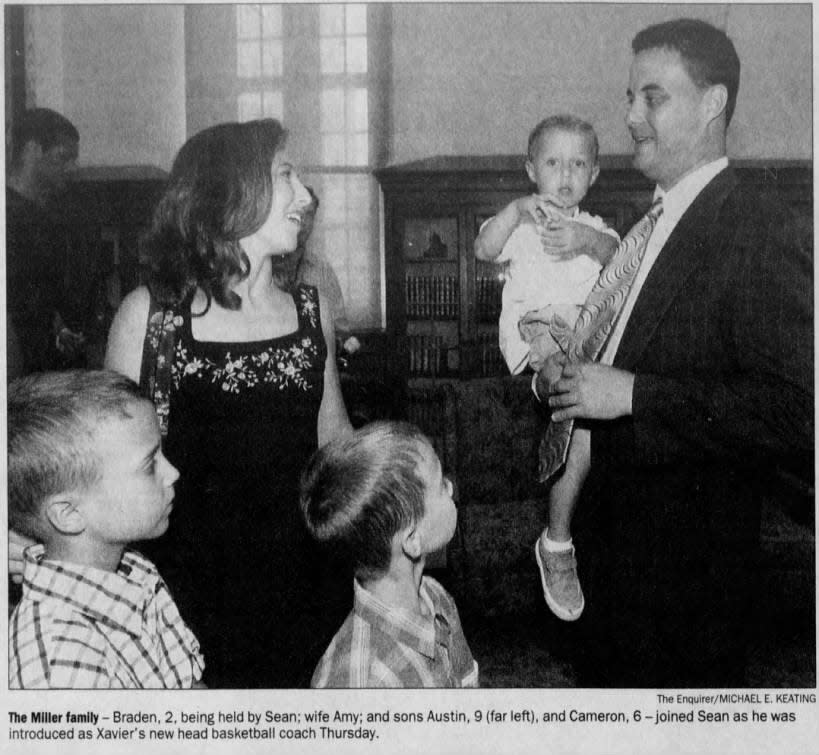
(543, 283)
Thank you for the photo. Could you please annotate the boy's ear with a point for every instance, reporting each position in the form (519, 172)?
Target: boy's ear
(62, 512)
(595, 172)
(530, 171)
(411, 543)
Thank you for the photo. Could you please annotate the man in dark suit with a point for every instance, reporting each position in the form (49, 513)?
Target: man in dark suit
(704, 387)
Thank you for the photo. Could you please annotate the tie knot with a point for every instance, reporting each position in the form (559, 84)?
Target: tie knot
(656, 208)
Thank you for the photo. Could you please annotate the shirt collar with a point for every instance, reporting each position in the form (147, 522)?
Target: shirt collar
(680, 196)
(116, 599)
(420, 636)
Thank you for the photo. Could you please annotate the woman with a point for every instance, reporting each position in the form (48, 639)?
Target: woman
(253, 392)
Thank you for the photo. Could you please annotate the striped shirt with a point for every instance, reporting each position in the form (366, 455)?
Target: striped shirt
(78, 627)
(382, 646)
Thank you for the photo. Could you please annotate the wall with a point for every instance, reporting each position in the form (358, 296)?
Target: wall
(118, 73)
(474, 78)
(467, 78)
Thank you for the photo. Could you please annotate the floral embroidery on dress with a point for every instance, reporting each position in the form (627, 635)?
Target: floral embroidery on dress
(282, 366)
(161, 322)
(161, 335)
(308, 297)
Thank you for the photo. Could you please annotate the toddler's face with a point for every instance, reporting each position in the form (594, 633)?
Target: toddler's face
(440, 515)
(563, 166)
(132, 500)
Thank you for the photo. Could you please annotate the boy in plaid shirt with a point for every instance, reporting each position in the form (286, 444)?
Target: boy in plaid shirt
(86, 477)
(379, 497)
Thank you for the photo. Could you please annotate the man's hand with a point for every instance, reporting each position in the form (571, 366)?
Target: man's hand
(591, 391)
(549, 374)
(565, 238)
(17, 544)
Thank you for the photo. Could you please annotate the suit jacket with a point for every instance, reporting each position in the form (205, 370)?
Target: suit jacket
(721, 344)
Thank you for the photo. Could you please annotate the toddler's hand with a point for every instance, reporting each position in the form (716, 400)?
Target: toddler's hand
(539, 207)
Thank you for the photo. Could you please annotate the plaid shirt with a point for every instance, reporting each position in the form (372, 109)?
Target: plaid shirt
(78, 627)
(381, 646)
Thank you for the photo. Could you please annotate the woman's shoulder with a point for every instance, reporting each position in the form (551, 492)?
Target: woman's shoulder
(136, 304)
(125, 339)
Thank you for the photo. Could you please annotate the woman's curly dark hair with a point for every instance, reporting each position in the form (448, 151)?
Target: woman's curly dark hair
(219, 191)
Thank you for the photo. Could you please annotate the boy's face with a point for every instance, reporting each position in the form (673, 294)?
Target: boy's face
(563, 166)
(437, 526)
(132, 499)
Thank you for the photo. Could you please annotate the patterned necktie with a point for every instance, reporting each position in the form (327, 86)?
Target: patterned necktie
(597, 318)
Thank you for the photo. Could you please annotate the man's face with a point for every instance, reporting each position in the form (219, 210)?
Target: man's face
(54, 166)
(666, 117)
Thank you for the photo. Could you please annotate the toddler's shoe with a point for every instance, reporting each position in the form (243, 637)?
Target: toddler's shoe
(561, 587)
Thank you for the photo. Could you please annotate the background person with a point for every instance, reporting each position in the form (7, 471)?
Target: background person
(45, 326)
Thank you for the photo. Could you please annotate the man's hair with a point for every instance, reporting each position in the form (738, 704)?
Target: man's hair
(359, 490)
(708, 53)
(45, 127)
(220, 191)
(52, 417)
(562, 122)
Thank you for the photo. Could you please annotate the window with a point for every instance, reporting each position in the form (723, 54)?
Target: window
(318, 68)
(259, 61)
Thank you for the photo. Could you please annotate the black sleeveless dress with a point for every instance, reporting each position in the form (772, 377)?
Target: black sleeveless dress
(262, 600)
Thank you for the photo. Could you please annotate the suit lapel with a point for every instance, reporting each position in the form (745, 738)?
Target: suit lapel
(683, 251)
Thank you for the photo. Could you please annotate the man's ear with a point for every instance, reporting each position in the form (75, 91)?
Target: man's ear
(411, 542)
(715, 101)
(65, 516)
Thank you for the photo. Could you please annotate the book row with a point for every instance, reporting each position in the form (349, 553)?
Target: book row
(432, 296)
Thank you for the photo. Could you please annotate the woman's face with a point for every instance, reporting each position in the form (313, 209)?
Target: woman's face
(280, 231)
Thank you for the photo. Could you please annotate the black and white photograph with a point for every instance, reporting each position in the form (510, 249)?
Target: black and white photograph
(409, 377)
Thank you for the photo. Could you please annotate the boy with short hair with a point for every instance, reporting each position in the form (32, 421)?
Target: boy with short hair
(544, 287)
(86, 477)
(379, 497)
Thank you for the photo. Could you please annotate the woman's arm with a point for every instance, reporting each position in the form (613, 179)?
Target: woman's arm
(127, 334)
(332, 418)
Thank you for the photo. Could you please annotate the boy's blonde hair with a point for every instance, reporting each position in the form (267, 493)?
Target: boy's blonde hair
(51, 437)
(358, 491)
(562, 122)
